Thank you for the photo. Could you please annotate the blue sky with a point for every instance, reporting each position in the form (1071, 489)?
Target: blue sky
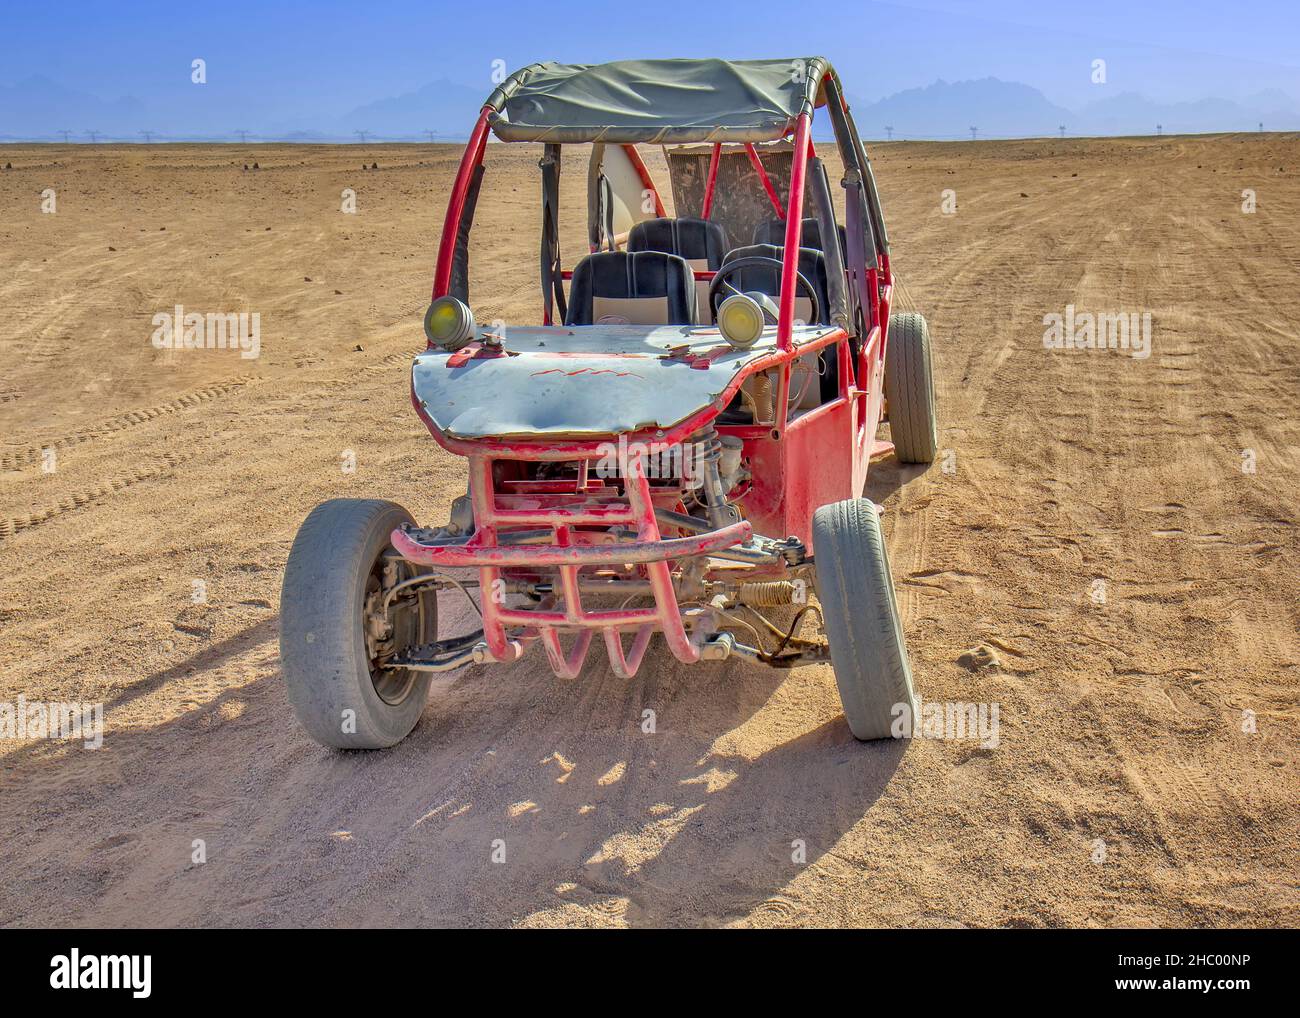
(296, 63)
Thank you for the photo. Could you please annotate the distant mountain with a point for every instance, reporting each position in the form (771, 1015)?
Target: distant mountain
(443, 107)
(1271, 99)
(1010, 109)
(1131, 113)
(951, 109)
(37, 107)
(304, 137)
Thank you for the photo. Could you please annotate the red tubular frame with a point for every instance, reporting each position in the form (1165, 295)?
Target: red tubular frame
(711, 183)
(634, 157)
(766, 180)
(793, 232)
(568, 555)
(477, 552)
(473, 158)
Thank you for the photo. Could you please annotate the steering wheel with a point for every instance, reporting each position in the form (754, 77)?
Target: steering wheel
(754, 262)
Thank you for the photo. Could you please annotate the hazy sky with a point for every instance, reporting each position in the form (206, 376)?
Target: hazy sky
(295, 61)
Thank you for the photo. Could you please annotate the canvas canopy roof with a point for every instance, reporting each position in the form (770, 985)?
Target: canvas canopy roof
(656, 101)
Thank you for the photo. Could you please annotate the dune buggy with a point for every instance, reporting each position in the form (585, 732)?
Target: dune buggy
(678, 448)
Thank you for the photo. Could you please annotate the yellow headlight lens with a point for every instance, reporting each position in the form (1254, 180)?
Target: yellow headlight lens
(740, 319)
(448, 323)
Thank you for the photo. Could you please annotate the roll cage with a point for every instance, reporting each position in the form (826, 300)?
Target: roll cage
(862, 280)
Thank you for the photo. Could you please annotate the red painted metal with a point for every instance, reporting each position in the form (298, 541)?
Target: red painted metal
(811, 464)
(477, 552)
(871, 297)
(474, 352)
(868, 401)
(634, 157)
(626, 665)
(765, 179)
(566, 666)
(712, 181)
(568, 555)
(469, 162)
(819, 465)
(885, 294)
(793, 227)
(822, 455)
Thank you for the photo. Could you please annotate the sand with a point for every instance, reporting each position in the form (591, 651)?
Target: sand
(1123, 790)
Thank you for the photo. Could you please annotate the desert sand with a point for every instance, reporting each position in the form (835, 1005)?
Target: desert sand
(1123, 790)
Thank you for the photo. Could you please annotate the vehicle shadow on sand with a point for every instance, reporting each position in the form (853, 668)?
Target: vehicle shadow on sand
(887, 475)
(592, 820)
(741, 832)
(519, 799)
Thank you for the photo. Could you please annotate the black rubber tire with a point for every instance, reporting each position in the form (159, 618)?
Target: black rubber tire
(856, 594)
(909, 387)
(323, 652)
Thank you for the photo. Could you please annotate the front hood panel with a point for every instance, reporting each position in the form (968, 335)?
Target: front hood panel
(582, 381)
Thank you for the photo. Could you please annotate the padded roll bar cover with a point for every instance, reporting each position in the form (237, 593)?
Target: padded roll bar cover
(838, 312)
(458, 285)
(552, 289)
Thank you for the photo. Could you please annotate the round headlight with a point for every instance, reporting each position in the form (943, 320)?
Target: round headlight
(448, 323)
(741, 320)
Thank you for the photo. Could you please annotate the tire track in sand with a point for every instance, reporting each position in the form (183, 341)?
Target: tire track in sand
(85, 496)
(26, 456)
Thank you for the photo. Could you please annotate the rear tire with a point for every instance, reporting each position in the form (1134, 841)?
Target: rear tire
(909, 387)
(861, 617)
(337, 695)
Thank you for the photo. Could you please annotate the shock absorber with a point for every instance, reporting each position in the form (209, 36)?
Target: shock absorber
(709, 452)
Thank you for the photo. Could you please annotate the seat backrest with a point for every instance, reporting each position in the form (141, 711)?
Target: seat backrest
(699, 241)
(773, 232)
(812, 266)
(632, 287)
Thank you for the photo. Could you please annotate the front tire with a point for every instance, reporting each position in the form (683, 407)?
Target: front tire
(861, 616)
(336, 565)
(909, 387)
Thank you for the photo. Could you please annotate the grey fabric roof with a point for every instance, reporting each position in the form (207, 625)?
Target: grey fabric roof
(656, 101)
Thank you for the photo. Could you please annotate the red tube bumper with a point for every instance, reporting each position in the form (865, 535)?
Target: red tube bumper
(474, 555)
(570, 551)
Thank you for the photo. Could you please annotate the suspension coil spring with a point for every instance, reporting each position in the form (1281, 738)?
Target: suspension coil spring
(768, 594)
(709, 445)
